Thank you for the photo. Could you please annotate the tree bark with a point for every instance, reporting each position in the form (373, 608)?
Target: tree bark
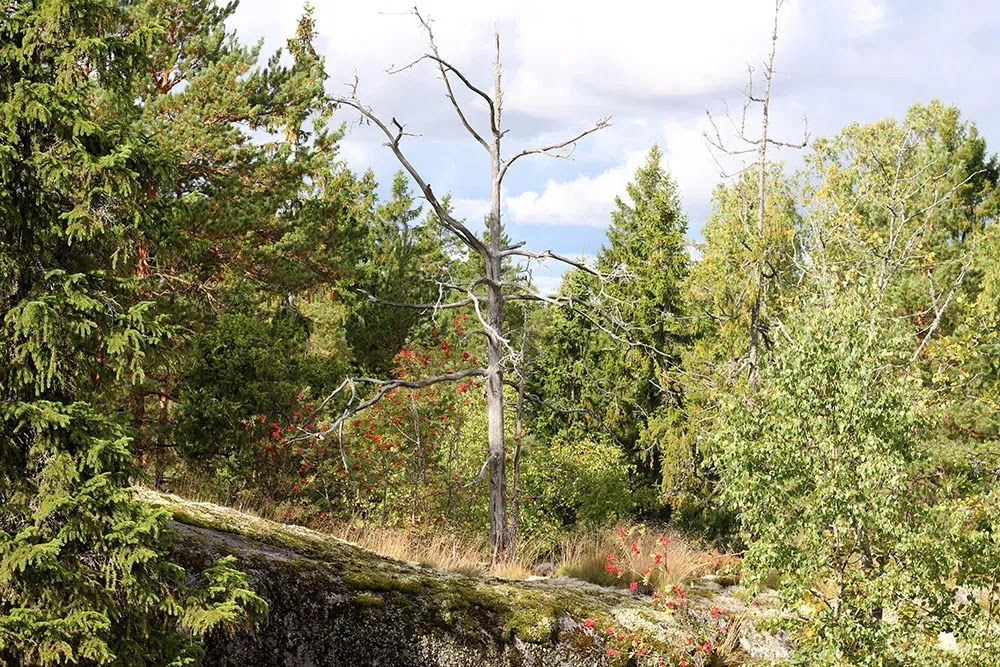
(499, 537)
(492, 251)
(494, 408)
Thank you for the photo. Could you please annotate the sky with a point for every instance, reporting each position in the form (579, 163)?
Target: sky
(658, 68)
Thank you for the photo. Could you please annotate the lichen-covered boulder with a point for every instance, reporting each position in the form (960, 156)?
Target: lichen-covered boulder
(333, 603)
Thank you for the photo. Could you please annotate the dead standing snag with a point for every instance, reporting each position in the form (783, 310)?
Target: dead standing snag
(488, 306)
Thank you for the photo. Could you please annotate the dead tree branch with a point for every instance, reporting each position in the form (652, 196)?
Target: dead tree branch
(759, 278)
(383, 387)
(394, 137)
(488, 306)
(559, 145)
(415, 306)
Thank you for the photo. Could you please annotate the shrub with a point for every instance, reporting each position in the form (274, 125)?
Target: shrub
(570, 481)
(825, 465)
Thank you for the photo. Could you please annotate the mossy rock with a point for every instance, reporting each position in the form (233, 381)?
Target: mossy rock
(333, 603)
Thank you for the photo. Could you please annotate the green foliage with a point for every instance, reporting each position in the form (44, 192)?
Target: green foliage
(251, 215)
(406, 460)
(648, 263)
(824, 462)
(585, 480)
(222, 599)
(647, 276)
(899, 207)
(183, 262)
(246, 365)
(84, 575)
(569, 352)
(721, 288)
(403, 260)
(869, 188)
(626, 383)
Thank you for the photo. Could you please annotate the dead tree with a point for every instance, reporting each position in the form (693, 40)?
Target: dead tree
(758, 146)
(905, 229)
(488, 293)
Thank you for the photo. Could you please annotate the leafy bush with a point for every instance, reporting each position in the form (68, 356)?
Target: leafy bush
(825, 465)
(568, 481)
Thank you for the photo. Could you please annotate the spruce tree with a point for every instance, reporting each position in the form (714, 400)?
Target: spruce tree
(84, 577)
(404, 259)
(647, 262)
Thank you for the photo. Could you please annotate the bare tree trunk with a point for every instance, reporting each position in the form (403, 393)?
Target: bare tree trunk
(758, 309)
(418, 474)
(755, 323)
(497, 469)
(514, 515)
(759, 280)
(494, 406)
(493, 253)
(499, 539)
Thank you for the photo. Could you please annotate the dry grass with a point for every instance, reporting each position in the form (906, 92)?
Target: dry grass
(197, 486)
(581, 554)
(457, 552)
(443, 548)
(729, 651)
(440, 548)
(655, 559)
(512, 568)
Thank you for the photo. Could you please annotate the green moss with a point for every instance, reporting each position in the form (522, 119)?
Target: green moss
(317, 575)
(294, 538)
(581, 640)
(367, 600)
(535, 630)
(529, 616)
(368, 581)
(471, 610)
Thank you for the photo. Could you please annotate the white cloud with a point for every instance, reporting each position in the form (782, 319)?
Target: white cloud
(691, 163)
(584, 201)
(588, 200)
(653, 66)
(355, 152)
(472, 211)
(570, 59)
(547, 285)
(561, 60)
(866, 17)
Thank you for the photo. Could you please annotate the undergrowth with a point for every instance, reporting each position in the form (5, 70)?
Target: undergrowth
(581, 553)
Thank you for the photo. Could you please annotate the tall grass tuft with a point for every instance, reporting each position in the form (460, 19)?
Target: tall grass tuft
(657, 559)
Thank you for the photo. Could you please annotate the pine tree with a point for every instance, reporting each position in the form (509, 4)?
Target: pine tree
(257, 224)
(84, 577)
